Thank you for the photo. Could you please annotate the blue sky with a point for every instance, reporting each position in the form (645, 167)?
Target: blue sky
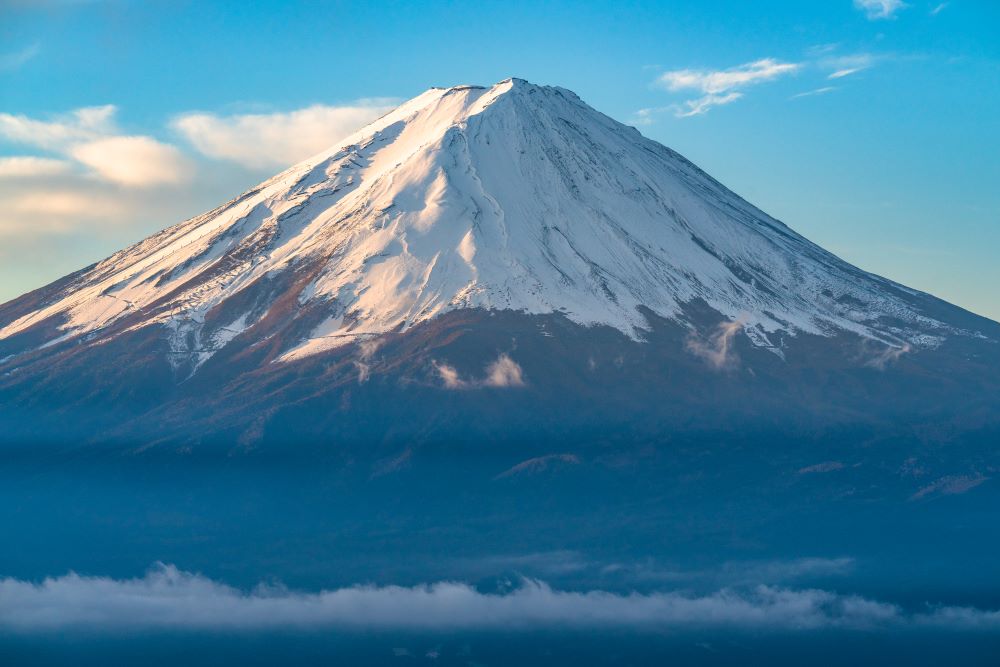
(870, 126)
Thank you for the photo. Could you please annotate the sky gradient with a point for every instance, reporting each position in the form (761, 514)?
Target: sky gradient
(870, 126)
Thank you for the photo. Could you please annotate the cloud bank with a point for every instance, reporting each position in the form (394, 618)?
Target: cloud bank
(169, 599)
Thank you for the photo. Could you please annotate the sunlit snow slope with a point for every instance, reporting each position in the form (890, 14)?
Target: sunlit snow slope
(515, 197)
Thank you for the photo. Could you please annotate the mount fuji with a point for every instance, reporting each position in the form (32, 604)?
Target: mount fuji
(502, 268)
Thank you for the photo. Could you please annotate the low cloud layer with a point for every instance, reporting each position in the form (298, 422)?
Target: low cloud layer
(169, 599)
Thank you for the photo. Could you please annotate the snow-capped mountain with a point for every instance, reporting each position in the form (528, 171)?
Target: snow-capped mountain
(515, 197)
(477, 238)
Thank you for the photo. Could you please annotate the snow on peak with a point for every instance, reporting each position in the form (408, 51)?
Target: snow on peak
(515, 196)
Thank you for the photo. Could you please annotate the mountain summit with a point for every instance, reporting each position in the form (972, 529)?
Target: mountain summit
(482, 206)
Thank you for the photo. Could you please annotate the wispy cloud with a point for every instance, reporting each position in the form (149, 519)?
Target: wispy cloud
(276, 139)
(879, 9)
(847, 65)
(816, 91)
(503, 372)
(702, 105)
(950, 485)
(366, 350)
(449, 376)
(826, 466)
(539, 464)
(17, 59)
(720, 87)
(884, 356)
(169, 599)
(717, 348)
(940, 7)
(721, 81)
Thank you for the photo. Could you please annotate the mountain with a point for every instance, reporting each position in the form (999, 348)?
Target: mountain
(498, 265)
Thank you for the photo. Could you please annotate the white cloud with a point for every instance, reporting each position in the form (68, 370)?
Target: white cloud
(703, 104)
(504, 372)
(133, 161)
(722, 81)
(449, 375)
(846, 65)
(62, 131)
(840, 73)
(885, 356)
(717, 350)
(277, 139)
(32, 167)
(939, 8)
(879, 9)
(812, 93)
(720, 86)
(366, 350)
(170, 599)
(17, 59)
(90, 137)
